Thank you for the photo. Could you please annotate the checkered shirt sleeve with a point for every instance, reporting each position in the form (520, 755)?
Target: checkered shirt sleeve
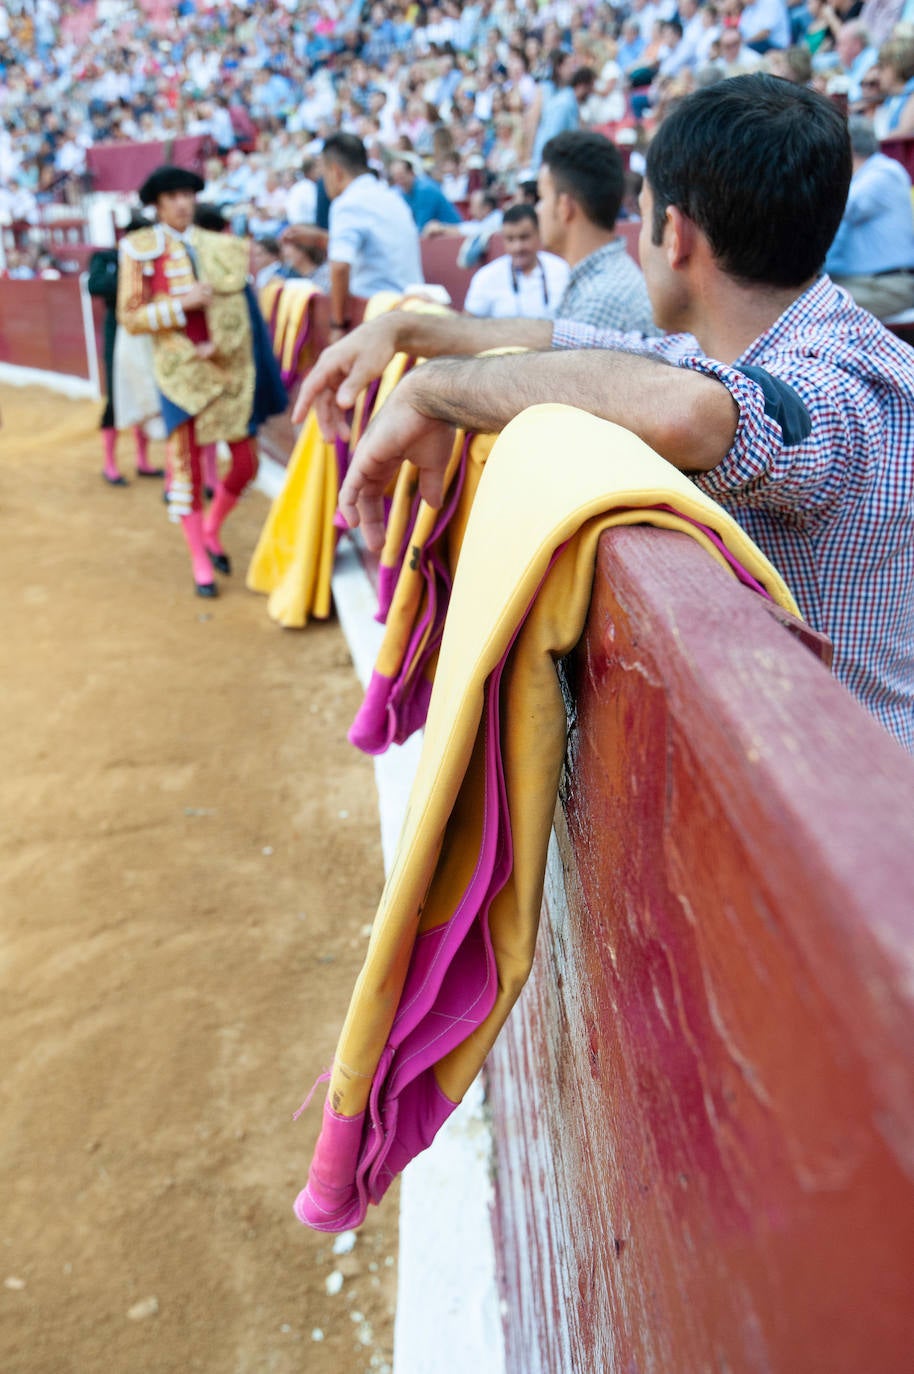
(801, 481)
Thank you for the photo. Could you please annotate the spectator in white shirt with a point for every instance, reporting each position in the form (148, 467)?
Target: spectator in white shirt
(685, 53)
(374, 242)
(525, 281)
(221, 127)
(301, 201)
(764, 25)
(734, 56)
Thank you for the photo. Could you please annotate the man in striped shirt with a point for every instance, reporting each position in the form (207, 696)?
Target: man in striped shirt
(782, 398)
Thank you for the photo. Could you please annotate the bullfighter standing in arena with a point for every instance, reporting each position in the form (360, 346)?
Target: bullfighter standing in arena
(188, 288)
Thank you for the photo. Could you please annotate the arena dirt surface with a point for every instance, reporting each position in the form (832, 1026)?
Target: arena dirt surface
(189, 865)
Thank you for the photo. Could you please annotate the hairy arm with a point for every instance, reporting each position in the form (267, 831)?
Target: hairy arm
(347, 367)
(688, 418)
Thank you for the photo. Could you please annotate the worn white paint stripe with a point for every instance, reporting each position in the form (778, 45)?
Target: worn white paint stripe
(76, 387)
(85, 301)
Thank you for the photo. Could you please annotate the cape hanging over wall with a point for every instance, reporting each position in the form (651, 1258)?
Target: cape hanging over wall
(453, 940)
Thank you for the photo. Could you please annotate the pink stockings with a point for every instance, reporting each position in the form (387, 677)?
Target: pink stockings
(242, 471)
(202, 532)
(143, 466)
(192, 528)
(110, 470)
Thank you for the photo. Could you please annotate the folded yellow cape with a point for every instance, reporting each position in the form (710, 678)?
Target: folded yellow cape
(268, 298)
(290, 331)
(420, 555)
(293, 560)
(453, 939)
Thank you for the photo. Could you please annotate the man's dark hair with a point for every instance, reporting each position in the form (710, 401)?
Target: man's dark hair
(586, 166)
(762, 167)
(516, 213)
(584, 76)
(268, 244)
(348, 152)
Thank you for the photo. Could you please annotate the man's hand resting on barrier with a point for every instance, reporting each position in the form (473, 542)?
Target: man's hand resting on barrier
(342, 371)
(347, 367)
(399, 431)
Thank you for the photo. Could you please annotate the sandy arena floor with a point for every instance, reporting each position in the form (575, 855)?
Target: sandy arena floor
(189, 864)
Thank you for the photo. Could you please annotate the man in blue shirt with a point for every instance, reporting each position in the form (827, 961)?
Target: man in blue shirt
(853, 57)
(764, 25)
(562, 110)
(872, 255)
(424, 197)
(373, 244)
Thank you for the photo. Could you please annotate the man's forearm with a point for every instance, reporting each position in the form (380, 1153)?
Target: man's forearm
(433, 336)
(688, 418)
(339, 292)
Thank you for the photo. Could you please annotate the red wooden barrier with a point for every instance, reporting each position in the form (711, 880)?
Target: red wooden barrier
(439, 264)
(41, 325)
(704, 1102)
(902, 150)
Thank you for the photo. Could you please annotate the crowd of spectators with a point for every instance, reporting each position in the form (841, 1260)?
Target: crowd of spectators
(469, 93)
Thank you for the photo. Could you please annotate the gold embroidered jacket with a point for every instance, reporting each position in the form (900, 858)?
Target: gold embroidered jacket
(155, 270)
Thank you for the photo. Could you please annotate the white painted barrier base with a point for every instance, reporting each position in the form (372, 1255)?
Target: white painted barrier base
(76, 387)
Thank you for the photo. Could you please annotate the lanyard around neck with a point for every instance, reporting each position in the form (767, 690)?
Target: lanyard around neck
(515, 285)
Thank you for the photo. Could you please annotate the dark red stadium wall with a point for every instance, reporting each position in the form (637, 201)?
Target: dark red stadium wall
(41, 326)
(703, 1103)
(41, 322)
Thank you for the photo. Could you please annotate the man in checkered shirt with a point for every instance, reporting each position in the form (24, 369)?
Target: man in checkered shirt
(783, 399)
(580, 186)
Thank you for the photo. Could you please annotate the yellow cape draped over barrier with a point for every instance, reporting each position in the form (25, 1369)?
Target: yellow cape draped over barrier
(555, 480)
(293, 560)
(267, 298)
(293, 305)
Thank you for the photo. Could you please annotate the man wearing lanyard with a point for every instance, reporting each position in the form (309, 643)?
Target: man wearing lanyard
(523, 282)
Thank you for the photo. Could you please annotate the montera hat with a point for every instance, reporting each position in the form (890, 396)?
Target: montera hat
(169, 178)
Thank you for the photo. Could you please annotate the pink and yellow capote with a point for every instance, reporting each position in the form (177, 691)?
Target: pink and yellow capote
(454, 936)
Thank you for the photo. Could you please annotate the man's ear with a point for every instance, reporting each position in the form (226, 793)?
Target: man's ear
(566, 207)
(679, 237)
